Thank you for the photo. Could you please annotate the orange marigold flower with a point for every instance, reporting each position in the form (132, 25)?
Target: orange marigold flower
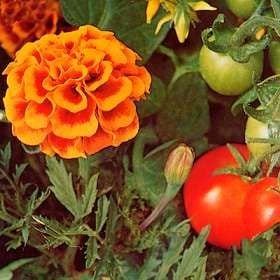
(73, 93)
(23, 21)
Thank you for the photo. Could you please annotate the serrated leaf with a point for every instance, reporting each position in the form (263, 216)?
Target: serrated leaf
(89, 197)
(18, 172)
(172, 255)
(5, 156)
(86, 166)
(62, 185)
(102, 212)
(25, 233)
(148, 269)
(191, 256)
(6, 273)
(200, 273)
(91, 252)
(109, 15)
(254, 257)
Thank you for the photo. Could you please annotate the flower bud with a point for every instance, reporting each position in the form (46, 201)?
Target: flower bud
(179, 164)
(152, 8)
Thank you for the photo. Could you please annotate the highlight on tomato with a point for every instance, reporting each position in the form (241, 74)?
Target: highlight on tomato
(236, 207)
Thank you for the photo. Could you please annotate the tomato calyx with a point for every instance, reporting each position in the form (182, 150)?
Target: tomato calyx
(248, 170)
(239, 43)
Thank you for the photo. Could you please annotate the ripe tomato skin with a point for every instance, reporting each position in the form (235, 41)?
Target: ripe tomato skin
(226, 76)
(221, 206)
(262, 207)
(204, 193)
(257, 129)
(274, 56)
(242, 8)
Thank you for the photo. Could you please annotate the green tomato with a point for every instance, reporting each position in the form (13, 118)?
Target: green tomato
(242, 8)
(274, 56)
(226, 76)
(257, 129)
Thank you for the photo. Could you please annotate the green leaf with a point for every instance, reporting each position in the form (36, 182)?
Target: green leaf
(155, 99)
(91, 252)
(19, 170)
(185, 113)
(254, 257)
(191, 257)
(276, 8)
(89, 197)
(148, 269)
(6, 273)
(102, 212)
(86, 166)
(62, 185)
(5, 156)
(200, 273)
(125, 18)
(173, 254)
(147, 177)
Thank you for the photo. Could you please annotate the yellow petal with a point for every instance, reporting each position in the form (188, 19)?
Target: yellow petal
(152, 8)
(201, 6)
(182, 25)
(162, 22)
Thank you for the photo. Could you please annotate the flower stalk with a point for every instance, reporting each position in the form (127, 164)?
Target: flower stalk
(177, 168)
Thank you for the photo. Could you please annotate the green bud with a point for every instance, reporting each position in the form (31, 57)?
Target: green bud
(179, 164)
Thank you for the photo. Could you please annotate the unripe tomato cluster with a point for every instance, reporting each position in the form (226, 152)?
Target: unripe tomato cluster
(235, 206)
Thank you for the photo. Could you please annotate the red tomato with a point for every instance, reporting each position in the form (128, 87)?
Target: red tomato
(262, 206)
(227, 202)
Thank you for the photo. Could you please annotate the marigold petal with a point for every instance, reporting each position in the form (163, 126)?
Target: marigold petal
(37, 115)
(91, 57)
(71, 125)
(91, 32)
(109, 95)
(121, 116)
(131, 55)
(15, 75)
(102, 76)
(28, 135)
(33, 78)
(15, 108)
(46, 148)
(66, 148)
(112, 48)
(138, 87)
(126, 133)
(70, 97)
(139, 71)
(97, 142)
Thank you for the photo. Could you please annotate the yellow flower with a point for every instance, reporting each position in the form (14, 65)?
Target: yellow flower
(181, 12)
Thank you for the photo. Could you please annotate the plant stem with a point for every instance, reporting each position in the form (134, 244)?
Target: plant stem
(155, 213)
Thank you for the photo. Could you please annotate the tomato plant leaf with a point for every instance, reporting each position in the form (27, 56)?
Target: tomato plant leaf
(185, 113)
(62, 185)
(125, 18)
(155, 99)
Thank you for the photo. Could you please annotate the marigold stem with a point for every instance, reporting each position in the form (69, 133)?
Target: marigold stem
(155, 213)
